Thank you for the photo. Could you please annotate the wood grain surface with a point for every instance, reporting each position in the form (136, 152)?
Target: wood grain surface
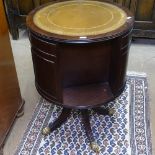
(76, 72)
(10, 97)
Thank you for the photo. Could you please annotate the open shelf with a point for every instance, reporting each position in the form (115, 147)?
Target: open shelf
(87, 95)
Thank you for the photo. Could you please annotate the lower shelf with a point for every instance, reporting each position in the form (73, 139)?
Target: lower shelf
(87, 96)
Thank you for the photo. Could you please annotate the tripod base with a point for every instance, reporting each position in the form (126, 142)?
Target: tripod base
(85, 120)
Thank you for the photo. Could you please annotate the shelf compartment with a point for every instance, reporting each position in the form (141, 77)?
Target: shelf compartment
(87, 96)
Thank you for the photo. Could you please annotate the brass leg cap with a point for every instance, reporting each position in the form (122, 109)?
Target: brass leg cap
(95, 147)
(111, 111)
(46, 131)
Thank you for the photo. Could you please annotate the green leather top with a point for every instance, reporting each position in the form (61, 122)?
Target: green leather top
(80, 18)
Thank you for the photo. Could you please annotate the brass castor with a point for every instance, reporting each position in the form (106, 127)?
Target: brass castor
(111, 111)
(46, 131)
(94, 147)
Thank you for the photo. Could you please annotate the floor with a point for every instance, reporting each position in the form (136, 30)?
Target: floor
(141, 59)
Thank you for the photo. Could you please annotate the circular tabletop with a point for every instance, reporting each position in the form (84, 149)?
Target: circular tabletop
(80, 18)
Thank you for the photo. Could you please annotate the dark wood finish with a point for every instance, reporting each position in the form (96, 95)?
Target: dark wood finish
(60, 120)
(85, 121)
(145, 27)
(101, 111)
(80, 73)
(65, 73)
(87, 125)
(10, 98)
(144, 11)
(87, 96)
(17, 11)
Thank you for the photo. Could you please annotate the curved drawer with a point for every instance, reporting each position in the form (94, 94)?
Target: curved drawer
(43, 55)
(45, 75)
(46, 47)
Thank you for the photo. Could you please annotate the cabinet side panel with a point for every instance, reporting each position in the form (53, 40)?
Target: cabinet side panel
(118, 64)
(145, 10)
(45, 73)
(10, 97)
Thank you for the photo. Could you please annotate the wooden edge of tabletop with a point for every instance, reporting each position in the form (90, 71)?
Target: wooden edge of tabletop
(109, 35)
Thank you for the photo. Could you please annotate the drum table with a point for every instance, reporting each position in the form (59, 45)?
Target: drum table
(80, 52)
